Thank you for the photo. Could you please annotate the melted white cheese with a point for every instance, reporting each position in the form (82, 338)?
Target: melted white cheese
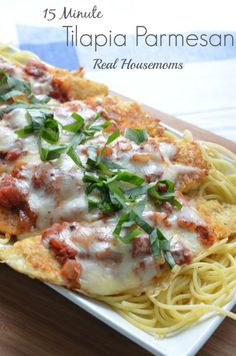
(40, 86)
(7, 139)
(58, 196)
(107, 276)
(104, 276)
(63, 198)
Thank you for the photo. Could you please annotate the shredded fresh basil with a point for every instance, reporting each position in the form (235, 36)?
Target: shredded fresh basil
(136, 135)
(169, 195)
(109, 187)
(112, 137)
(22, 105)
(52, 152)
(46, 127)
(109, 190)
(136, 225)
(12, 87)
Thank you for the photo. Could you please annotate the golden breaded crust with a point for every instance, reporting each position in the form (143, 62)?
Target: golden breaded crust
(62, 72)
(190, 154)
(127, 114)
(131, 114)
(9, 222)
(220, 217)
(32, 258)
(72, 85)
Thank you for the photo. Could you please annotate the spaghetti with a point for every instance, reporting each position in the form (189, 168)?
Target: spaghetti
(204, 287)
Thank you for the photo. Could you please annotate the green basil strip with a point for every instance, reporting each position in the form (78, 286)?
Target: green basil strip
(129, 178)
(78, 118)
(92, 153)
(92, 204)
(10, 94)
(134, 193)
(141, 223)
(28, 129)
(131, 217)
(75, 127)
(21, 105)
(112, 166)
(74, 156)
(113, 137)
(164, 196)
(50, 130)
(117, 194)
(160, 246)
(169, 259)
(43, 123)
(154, 245)
(51, 152)
(129, 236)
(136, 135)
(90, 178)
(96, 128)
(43, 100)
(12, 87)
(140, 204)
(110, 139)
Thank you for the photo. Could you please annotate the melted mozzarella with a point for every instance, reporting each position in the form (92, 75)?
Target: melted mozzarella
(7, 139)
(187, 214)
(108, 266)
(55, 192)
(174, 233)
(59, 197)
(64, 198)
(12, 68)
(16, 119)
(40, 86)
(104, 276)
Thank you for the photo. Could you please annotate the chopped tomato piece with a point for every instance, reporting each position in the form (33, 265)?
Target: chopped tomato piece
(182, 255)
(185, 224)
(62, 250)
(140, 246)
(152, 177)
(206, 237)
(10, 194)
(71, 270)
(13, 155)
(57, 92)
(35, 69)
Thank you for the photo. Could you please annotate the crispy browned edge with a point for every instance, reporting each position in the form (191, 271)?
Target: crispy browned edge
(31, 257)
(73, 85)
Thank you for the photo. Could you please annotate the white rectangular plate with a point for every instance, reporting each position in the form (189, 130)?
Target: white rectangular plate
(186, 343)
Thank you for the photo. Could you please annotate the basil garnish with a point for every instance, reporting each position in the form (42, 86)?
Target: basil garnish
(168, 195)
(136, 135)
(11, 87)
(109, 187)
(160, 246)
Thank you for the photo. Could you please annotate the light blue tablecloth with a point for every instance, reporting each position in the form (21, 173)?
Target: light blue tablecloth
(50, 44)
